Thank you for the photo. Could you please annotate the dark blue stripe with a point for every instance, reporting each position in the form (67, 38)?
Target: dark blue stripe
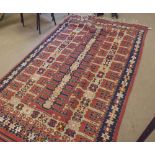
(99, 138)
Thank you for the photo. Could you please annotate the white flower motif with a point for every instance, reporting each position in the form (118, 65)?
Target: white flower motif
(31, 136)
(12, 126)
(115, 108)
(18, 129)
(120, 95)
(2, 119)
(23, 64)
(5, 81)
(6, 122)
(105, 136)
(109, 122)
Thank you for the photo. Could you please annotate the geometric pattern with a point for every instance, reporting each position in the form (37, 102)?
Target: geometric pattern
(74, 86)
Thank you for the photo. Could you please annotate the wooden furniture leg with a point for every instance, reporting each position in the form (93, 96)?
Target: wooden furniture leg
(22, 18)
(100, 14)
(2, 16)
(38, 22)
(114, 15)
(147, 131)
(53, 18)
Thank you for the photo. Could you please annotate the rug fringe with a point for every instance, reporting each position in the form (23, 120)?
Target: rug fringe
(124, 20)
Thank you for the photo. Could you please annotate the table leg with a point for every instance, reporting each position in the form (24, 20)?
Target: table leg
(53, 18)
(38, 23)
(22, 18)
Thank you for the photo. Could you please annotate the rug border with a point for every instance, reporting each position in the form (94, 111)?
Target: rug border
(9, 136)
(120, 119)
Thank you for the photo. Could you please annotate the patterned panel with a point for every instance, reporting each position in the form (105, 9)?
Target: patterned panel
(74, 85)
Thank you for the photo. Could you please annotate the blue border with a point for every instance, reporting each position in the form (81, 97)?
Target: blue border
(99, 138)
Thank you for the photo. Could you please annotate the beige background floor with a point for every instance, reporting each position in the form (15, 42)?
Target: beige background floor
(17, 41)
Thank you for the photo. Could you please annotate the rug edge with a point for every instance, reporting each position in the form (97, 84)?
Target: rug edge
(121, 21)
(116, 132)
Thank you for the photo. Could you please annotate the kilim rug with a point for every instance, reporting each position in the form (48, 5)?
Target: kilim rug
(74, 86)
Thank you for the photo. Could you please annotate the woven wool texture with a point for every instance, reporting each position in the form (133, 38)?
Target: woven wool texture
(73, 86)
